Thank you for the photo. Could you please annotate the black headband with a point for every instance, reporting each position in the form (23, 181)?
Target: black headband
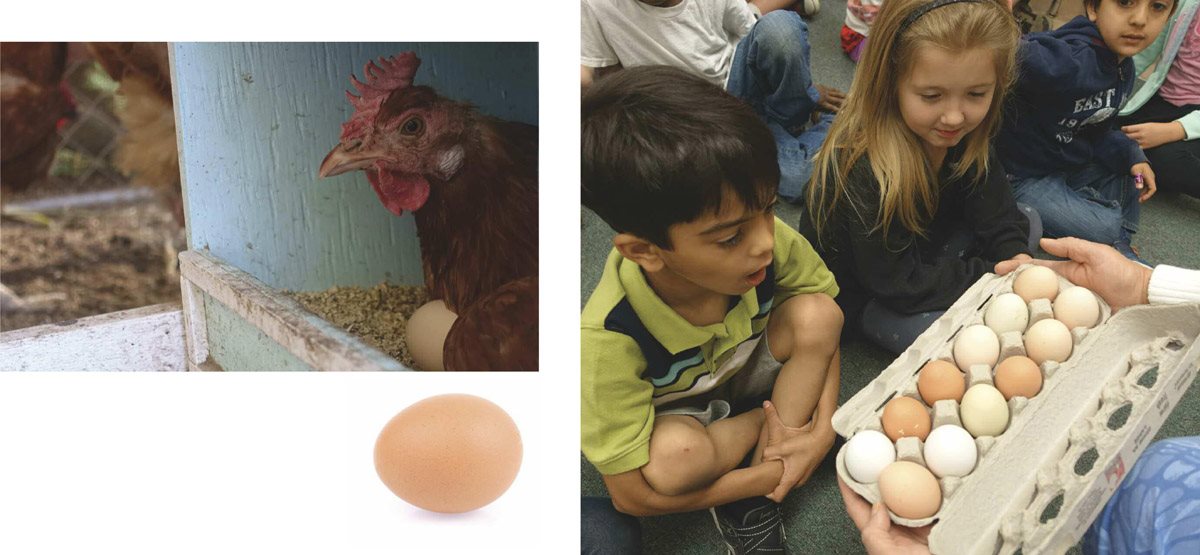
(917, 13)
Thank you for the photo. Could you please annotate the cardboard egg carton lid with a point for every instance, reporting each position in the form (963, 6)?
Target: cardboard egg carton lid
(999, 507)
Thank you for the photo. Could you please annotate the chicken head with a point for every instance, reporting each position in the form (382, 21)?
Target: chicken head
(402, 135)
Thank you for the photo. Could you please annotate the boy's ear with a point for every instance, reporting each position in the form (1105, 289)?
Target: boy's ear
(1090, 11)
(642, 252)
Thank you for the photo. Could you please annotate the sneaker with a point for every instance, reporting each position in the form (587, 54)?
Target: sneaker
(807, 8)
(751, 526)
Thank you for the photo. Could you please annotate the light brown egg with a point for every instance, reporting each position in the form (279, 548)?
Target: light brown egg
(426, 334)
(905, 417)
(1036, 282)
(910, 490)
(1048, 339)
(449, 453)
(1018, 376)
(940, 380)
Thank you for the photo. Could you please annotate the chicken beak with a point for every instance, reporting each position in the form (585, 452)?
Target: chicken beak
(341, 160)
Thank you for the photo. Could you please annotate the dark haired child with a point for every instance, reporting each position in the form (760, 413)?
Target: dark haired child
(710, 346)
(1059, 143)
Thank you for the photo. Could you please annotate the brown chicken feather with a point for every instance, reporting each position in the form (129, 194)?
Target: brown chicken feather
(471, 181)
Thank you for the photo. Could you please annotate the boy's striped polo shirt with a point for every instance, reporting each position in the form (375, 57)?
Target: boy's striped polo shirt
(638, 353)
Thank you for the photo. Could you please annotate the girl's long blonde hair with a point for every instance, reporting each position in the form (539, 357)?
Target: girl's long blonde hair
(870, 122)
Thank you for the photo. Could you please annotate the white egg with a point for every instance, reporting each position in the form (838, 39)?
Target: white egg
(1048, 339)
(867, 454)
(1036, 282)
(1077, 307)
(1007, 312)
(984, 411)
(950, 451)
(976, 344)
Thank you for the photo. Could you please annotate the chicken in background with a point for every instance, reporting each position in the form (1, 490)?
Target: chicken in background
(471, 182)
(31, 103)
(146, 153)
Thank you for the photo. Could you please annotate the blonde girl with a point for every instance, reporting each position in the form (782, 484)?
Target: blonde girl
(907, 204)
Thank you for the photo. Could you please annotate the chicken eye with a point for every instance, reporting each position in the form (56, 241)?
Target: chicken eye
(412, 126)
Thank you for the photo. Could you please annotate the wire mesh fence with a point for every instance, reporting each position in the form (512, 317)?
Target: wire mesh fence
(89, 135)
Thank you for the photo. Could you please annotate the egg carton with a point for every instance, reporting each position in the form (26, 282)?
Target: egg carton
(1026, 492)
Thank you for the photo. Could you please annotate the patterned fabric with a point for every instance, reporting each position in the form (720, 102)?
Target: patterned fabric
(1157, 508)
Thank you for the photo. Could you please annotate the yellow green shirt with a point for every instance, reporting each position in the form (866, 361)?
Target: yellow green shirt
(639, 353)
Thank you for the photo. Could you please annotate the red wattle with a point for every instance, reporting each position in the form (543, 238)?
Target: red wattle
(398, 191)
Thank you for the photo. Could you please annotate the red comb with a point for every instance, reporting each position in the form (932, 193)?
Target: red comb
(389, 74)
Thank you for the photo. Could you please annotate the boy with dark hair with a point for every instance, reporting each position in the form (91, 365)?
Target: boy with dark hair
(1059, 143)
(710, 346)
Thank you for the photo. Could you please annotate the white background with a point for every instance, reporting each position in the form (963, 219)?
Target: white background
(241, 463)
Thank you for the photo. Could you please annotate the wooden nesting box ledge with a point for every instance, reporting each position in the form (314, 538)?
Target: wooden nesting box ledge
(143, 339)
(308, 337)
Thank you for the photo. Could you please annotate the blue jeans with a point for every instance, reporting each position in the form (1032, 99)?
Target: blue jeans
(771, 73)
(1092, 203)
(1157, 507)
(895, 331)
(604, 531)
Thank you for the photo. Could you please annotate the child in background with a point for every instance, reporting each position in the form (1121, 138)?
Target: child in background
(907, 205)
(1164, 114)
(859, 16)
(762, 61)
(1059, 143)
(709, 305)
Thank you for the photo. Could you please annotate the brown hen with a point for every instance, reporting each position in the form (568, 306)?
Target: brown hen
(30, 106)
(147, 151)
(471, 181)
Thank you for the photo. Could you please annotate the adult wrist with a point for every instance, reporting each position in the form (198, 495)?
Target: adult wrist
(1170, 284)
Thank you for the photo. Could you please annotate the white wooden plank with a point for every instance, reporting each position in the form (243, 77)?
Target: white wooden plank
(195, 326)
(142, 339)
(311, 339)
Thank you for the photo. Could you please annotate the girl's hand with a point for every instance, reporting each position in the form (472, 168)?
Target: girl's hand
(1147, 185)
(1150, 135)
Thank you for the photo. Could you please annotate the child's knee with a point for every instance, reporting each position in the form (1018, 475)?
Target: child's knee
(782, 33)
(815, 319)
(682, 457)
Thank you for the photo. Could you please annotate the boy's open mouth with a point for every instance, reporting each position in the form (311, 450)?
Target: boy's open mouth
(757, 277)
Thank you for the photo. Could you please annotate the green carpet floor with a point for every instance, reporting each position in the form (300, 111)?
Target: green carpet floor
(815, 518)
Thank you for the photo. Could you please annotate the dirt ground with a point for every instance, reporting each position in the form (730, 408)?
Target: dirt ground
(87, 262)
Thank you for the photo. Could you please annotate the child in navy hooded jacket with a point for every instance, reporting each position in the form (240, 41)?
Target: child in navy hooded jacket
(1059, 141)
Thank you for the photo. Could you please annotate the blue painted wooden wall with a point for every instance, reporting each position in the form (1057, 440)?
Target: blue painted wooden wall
(255, 121)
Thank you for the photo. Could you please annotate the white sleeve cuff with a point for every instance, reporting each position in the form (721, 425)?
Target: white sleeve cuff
(1169, 284)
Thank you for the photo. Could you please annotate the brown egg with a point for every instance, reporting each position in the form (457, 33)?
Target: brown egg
(940, 380)
(910, 490)
(449, 453)
(1018, 376)
(426, 334)
(905, 417)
